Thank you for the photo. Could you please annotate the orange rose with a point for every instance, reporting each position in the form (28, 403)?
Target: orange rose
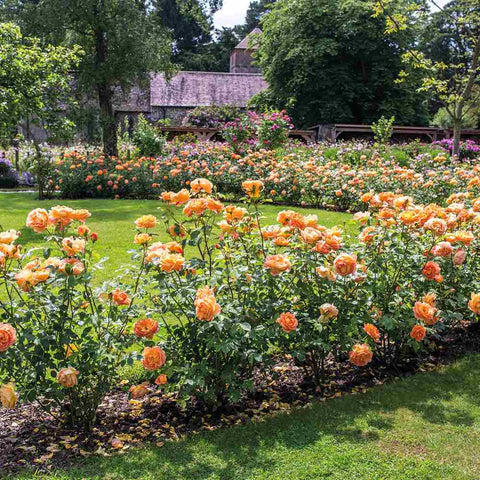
(431, 270)
(83, 231)
(153, 358)
(418, 333)
(61, 216)
(25, 279)
(38, 220)
(372, 331)
(121, 298)
(201, 184)
(71, 266)
(206, 306)
(288, 321)
(436, 225)
(430, 298)
(459, 257)
(277, 264)
(474, 303)
(142, 238)
(81, 215)
(180, 198)
(67, 377)
(213, 205)
(310, 235)
(171, 261)
(161, 379)
(8, 396)
(425, 312)
(73, 246)
(8, 336)
(146, 221)
(147, 327)
(138, 391)
(345, 264)
(9, 236)
(252, 188)
(466, 238)
(443, 249)
(360, 355)
(196, 206)
(328, 311)
(70, 349)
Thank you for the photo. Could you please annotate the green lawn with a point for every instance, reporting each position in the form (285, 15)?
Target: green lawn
(113, 221)
(423, 427)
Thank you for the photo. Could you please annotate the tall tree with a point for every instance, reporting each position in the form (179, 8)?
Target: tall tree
(450, 63)
(256, 10)
(122, 40)
(328, 61)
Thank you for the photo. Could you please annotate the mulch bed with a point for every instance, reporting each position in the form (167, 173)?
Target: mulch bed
(29, 437)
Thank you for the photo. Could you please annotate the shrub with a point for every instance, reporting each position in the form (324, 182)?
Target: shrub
(272, 129)
(68, 341)
(383, 130)
(148, 139)
(8, 175)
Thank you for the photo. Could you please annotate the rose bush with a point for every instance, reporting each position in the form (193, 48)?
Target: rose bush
(228, 293)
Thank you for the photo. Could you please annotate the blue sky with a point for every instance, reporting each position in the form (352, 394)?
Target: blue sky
(233, 12)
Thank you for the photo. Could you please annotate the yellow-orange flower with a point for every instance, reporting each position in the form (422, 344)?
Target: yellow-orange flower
(146, 221)
(345, 264)
(288, 321)
(201, 184)
(206, 306)
(372, 331)
(120, 298)
(61, 216)
(474, 303)
(252, 188)
(277, 264)
(161, 379)
(431, 270)
(8, 336)
(418, 333)
(73, 246)
(146, 327)
(8, 396)
(9, 236)
(153, 358)
(360, 355)
(67, 377)
(38, 220)
(142, 238)
(328, 311)
(81, 215)
(425, 312)
(170, 262)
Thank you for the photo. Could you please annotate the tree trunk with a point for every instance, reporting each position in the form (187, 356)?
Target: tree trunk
(107, 119)
(457, 131)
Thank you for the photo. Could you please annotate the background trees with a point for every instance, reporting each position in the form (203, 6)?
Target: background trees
(329, 61)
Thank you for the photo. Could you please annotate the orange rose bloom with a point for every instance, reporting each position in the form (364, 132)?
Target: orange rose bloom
(147, 328)
(121, 298)
(327, 310)
(430, 298)
(83, 230)
(161, 379)
(196, 206)
(431, 270)
(288, 321)
(142, 238)
(201, 184)
(183, 196)
(425, 312)
(8, 396)
(8, 336)
(206, 306)
(25, 279)
(418, 333)
(466, 238)
(153, 358)
(310, 235)
(372, 331)
(171, 261)
(360, 355)
(61, 216)
(138, 391)
(9, 236)
(72, 246)
(436, 226)
(345, 264)
(252, 188)
(443, 249)
(67, 377)
(213, 205)
(146, 221)
(71, 266)
(277, 264)
(474, 303)
(38, 220)
(81, 215)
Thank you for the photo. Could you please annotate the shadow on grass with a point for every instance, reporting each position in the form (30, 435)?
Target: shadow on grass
(442, 398)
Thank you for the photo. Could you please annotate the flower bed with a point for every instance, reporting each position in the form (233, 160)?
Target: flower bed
(320, 176)
(205, 322)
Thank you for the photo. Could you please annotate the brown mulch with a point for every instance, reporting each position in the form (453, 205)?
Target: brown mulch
(29, 437)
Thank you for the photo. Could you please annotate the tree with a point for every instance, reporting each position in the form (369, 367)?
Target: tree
(450, 64)
(256, 10)
(328, 61)
(122, 40)
(35, 82)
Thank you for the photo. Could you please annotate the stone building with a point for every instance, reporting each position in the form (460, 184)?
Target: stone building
(187, 90)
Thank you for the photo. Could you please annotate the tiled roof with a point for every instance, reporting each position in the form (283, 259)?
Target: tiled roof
(243, 45)
(195, 89)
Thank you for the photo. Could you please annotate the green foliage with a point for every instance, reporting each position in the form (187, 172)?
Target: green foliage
(383, 130)
(148, 139)
(327, 61)
(35, 83)
(443, 119)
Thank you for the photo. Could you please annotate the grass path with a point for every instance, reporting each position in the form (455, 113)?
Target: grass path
(113, 221)
(422, 427)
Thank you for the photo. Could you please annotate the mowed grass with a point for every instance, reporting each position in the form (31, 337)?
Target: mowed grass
(113, 221)
(422, 427)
